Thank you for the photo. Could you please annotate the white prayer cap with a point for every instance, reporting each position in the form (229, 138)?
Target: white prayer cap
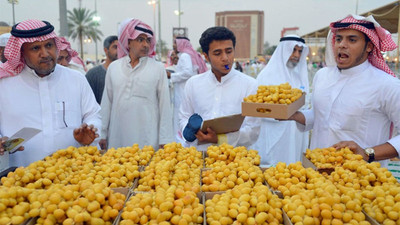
(4, 39)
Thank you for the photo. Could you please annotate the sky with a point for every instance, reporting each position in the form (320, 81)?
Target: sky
(198, 15)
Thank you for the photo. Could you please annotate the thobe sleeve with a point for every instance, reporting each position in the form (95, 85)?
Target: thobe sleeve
(106, 104)
(392, 108)
(184, 69)
(249, 131)
(309, 113)
(165, 109)
(186, 110)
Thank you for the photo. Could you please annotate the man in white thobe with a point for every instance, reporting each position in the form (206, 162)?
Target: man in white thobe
(38, 93)
(3, 42)
(135, 107)
(219, 92)
(282, 141)
(190, 63)
(355, 100)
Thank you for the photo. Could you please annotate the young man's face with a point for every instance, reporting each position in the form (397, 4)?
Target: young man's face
(112, 51)
(220, 55)
(63, 58)
(139, 47)
(350, 48)
(40, 56)
(295, 57)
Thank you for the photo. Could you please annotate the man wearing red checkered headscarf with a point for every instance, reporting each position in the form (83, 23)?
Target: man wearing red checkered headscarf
(190, 63)
(38, 93)
(355, 98)
(69, 57)
(135, 106)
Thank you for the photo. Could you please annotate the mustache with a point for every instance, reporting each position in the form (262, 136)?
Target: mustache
(43, 60)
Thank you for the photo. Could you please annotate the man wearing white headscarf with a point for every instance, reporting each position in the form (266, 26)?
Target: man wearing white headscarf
(38, 93)
(190, 63)
(282, 141)
(135, 106)
(3, 42)
(355, 98)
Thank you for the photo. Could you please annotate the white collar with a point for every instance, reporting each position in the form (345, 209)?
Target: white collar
(356, 69)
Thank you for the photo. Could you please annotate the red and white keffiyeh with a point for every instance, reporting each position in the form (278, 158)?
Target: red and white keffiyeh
(184, 45)
(74, 56)
(15, 61)
(380, 37)
(127, 30)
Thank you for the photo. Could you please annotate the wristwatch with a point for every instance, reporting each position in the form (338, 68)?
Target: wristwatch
(370, 152)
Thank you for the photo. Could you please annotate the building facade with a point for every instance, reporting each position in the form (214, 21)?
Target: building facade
(248, 27)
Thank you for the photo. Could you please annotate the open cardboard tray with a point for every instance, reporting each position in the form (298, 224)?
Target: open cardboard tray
(277, 111)
(308, 164)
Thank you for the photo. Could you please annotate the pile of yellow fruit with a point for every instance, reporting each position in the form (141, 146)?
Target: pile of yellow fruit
(227, 153)
(166, 206)
(132, 154)
(275, 94)
(324, 204)
(384, 203)
(54, 169)
(172, 165)
(245, 205)
(290, 179)
(66, 204)
(223, 177)
(330, 157)
(14, 204)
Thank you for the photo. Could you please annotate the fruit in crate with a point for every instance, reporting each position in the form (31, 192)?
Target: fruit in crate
(245, 205)
(275, 94)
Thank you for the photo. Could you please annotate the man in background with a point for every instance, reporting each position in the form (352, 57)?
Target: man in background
(135, 106)
(3, 42)
(190, 63)
(97, 75)
(69, 57)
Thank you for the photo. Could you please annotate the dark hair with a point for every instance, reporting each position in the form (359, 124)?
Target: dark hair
(215, 34)
(109, 40)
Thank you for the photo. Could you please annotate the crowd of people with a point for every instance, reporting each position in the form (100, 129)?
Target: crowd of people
(134, 98)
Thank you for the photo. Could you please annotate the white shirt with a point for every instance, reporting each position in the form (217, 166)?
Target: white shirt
(354, 104)
(184, 71)
(209, 98)
(135, 107)
(55, 104)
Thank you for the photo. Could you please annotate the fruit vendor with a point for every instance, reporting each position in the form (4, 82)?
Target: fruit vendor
(37, 92)
(356, 97)
(282, 141)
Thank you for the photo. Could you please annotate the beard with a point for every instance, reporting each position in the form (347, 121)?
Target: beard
(291, 64)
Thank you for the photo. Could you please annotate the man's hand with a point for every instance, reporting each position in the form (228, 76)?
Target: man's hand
(210, 137)
(2, 141)
(352, 146)
(168, 74)
(160, 146)
(85, 134)
(103, 144)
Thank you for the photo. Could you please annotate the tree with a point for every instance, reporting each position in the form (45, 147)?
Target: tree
(269, 50)
(81, 24)
(164, 48)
